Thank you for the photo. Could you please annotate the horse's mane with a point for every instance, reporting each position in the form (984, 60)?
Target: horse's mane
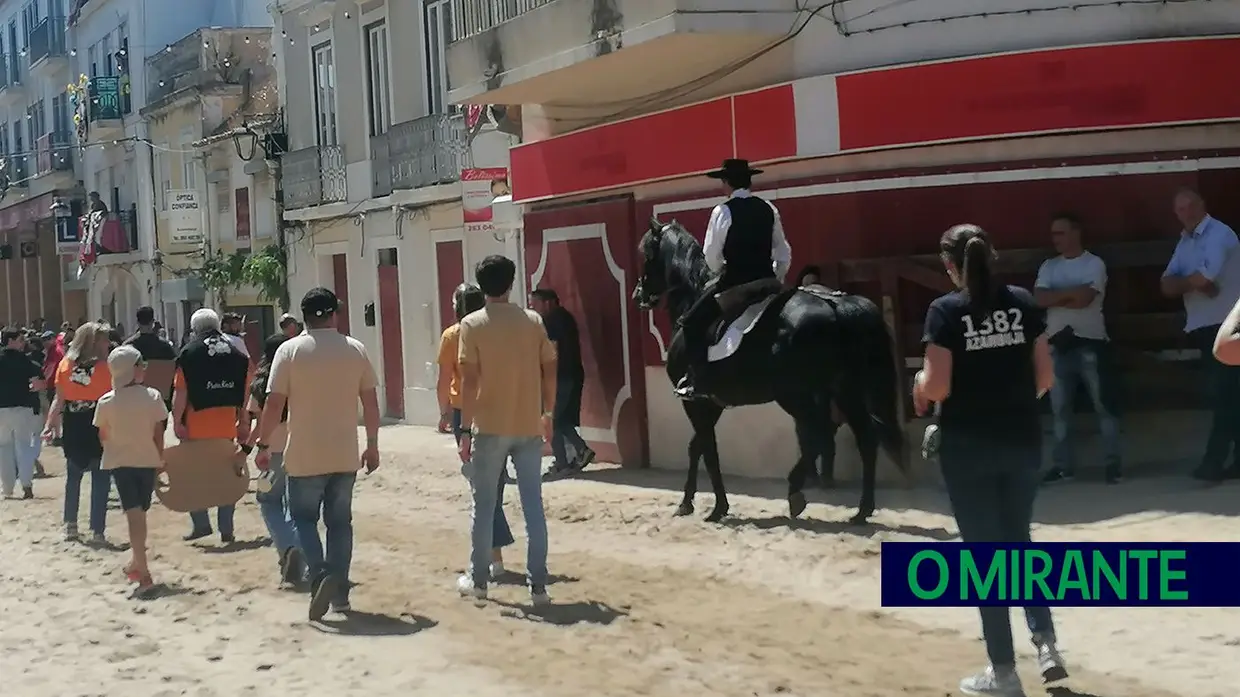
(686, 260)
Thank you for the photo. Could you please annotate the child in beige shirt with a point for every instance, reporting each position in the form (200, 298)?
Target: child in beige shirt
(131, 421)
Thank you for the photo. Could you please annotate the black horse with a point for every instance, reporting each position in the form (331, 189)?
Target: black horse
(807, 351)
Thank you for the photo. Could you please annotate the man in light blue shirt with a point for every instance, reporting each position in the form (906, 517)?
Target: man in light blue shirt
(1205, 271)
(1072, 287)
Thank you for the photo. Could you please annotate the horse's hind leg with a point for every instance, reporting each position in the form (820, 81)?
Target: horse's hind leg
(804, 413)
(852, 405)
(704, 416)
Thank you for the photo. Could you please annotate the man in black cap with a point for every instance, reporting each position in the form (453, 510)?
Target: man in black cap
(745, 242)
(319, 375)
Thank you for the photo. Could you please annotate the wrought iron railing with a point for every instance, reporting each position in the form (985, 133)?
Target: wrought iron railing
(314, 175)
(47, 39)
(470, 17)
(18, 171)
(10, 70)
(380, 166)
(54, 153)
(427, 151)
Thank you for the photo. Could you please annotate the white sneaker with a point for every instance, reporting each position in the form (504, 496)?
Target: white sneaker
(1051, 664)
(539, 596)
(465, 586)
(71, 532)
(1003, 682)
(497, 569)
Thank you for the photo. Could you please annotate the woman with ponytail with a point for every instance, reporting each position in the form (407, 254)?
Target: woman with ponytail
(987, 363)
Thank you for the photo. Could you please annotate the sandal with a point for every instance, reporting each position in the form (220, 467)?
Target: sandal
(131, 574)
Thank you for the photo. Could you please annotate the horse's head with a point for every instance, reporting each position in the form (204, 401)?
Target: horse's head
(652, 282)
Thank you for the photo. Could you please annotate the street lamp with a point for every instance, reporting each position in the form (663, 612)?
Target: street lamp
(245, 140)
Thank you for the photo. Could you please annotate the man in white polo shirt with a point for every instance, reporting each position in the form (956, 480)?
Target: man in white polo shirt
(1072, 287)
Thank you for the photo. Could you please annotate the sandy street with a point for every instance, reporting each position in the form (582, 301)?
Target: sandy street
(645, 604)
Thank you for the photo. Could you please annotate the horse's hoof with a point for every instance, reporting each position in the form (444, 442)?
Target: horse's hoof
(684, 509)
(717, 515)
(862, 518)
(796, 504)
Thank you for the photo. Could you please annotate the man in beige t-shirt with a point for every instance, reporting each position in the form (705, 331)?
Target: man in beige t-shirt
(318, 375)
(507, 387)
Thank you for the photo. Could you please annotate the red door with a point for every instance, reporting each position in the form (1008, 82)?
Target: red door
(389, 331)
(450, 266)
(340, 283)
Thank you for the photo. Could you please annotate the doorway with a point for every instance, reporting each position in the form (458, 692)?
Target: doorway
(390, 334)
(450, 273)
(340, 286)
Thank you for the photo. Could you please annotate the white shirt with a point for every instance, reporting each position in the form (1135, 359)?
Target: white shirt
(238, 343)
(1061, 273)
(717, 235)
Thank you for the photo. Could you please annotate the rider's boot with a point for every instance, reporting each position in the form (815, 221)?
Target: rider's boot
(691, 385)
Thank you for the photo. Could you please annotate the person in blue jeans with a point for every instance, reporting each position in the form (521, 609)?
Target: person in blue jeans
(467, 298)
(319, 375)
(1072, 287)
(508, 388)
(987, 363)
(272, 495)
(81, 378)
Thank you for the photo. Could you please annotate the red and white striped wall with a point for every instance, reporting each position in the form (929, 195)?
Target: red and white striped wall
(1084, 88)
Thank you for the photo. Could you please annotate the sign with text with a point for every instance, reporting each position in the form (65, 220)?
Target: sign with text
(67, 235)
(185, 216)
(478, 188)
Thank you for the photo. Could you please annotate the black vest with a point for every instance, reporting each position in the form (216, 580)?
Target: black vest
(215, 372)
(747, 248)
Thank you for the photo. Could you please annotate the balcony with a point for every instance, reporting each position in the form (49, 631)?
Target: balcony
(313, 176)
(427, 151)
(17, 169)
(572, 51)
(309, 12)
(48, 55)
(209, 59)
(119, 235)
(12, 80)
(106, 112)
(54, 154)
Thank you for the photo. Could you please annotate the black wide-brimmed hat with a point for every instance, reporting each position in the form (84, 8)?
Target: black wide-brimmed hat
(732, 167)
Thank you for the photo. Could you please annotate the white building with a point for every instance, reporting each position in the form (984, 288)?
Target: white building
(110, 41)
(34, 140)
(371, 185)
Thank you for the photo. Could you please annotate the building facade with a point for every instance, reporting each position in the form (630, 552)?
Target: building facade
(111, 42)
(214, 195)
(878, 125)
(38, 164)
(372, 186)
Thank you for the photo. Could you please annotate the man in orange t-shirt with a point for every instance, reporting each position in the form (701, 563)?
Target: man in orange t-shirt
(208, 400)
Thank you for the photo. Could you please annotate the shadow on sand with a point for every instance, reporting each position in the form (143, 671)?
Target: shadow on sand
(1068, 692)
(514, 578)
(236, 546)
(836, 527)
(564, 615)
(358, 623)
(163, 590)
(1164, 488)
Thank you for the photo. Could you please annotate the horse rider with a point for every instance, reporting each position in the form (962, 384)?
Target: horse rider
(745, 243)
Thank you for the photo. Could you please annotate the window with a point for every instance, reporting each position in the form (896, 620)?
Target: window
(165, 175)
(189, 174)
(377, 78)
(437, 20)
(106, 55)
(93, 58)
(60, 115)
(4, 138)
(30, 20)
(325, 95)
(224, 194)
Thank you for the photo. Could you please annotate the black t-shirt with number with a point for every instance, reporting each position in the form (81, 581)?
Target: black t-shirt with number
(994, 387)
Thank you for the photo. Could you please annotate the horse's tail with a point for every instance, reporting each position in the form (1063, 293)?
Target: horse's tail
(884, 395)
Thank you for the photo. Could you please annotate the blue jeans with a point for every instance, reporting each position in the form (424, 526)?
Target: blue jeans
(992, 487)
(223, 518)
(17, 431)
(100, 487)
(273, 506)
(486, 480)
(1074, 366)
(502, 534)
(332, 496)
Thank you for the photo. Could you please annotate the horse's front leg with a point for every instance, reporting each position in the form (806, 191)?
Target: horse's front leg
(710, 453)
(695, 454)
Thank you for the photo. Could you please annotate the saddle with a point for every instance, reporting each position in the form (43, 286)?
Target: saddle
(734, 301)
